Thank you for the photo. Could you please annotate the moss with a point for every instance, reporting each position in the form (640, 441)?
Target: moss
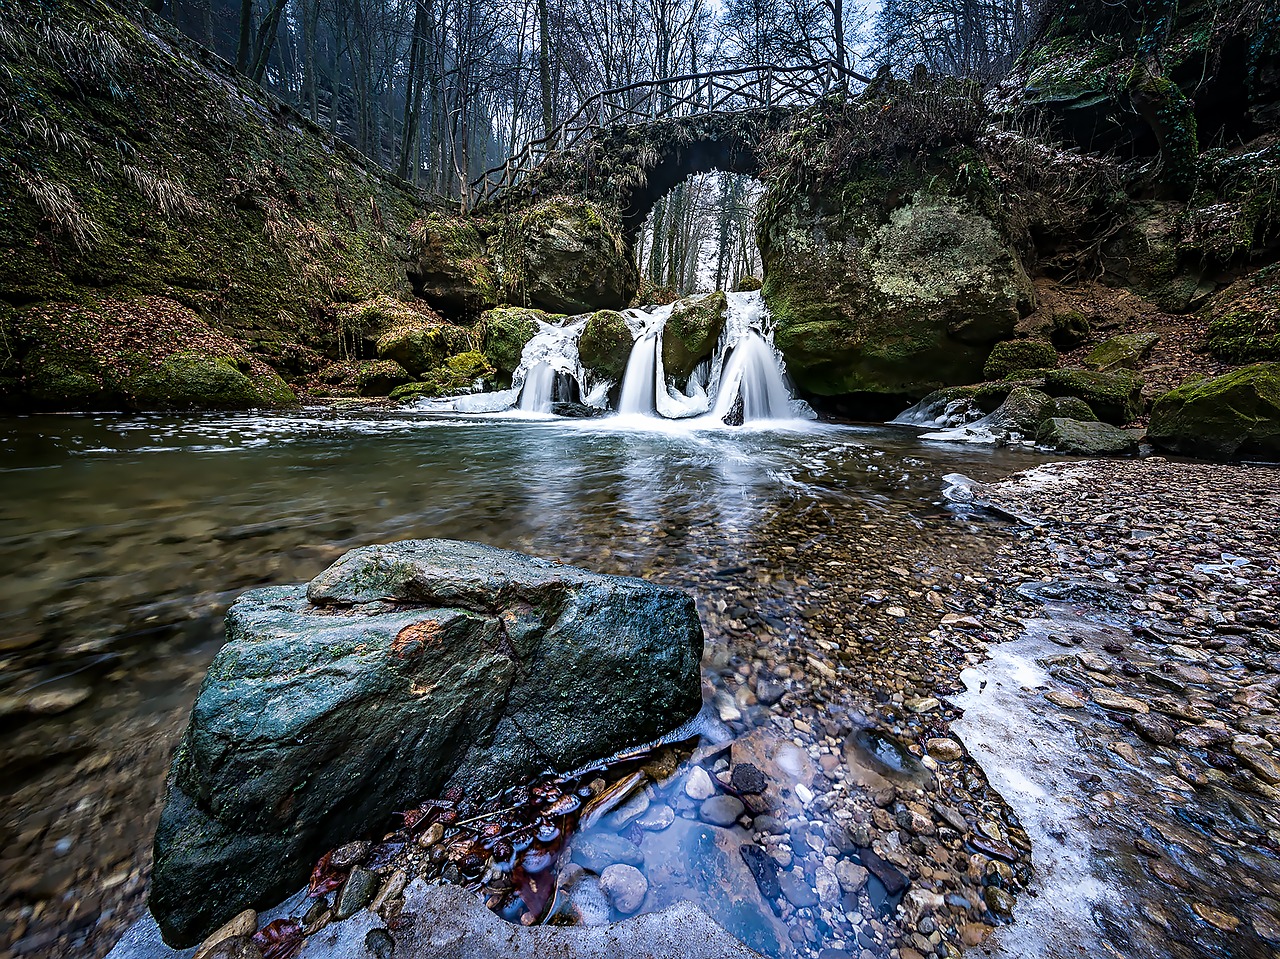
(1227, 417)
(1115, 396)
(420, 347)
(1073, 408)
(1244, 323)
(748, 284)
(1128, 351)
(1014, 355)
(605, 345)
(380, 377)
(191, 380)
(691, 333)
(457, 374)
(452, 268)
(1069, 329)
(1084, 437)
(503, 332)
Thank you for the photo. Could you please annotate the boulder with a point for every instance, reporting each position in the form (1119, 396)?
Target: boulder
(450, 264)
(1073, 408)
(1014, 356)
(1236, 416)
(463, 373)
(421, 346)
(1085, 438)
(566, 256)
(193, 380)
(503, 333)
(1122, 352)
(1022, 412)
(1115, 396)
(380, 377)
(605, 344)
(748, 284)
(900, 302)
(399, 671)
(691, 333)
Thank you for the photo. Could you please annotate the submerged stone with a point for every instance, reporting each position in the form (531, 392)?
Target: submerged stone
(398, 671)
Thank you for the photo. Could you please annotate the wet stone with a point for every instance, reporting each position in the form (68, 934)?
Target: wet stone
(601, 850)
(721, 810)
(625, 886)
(850, 875)
(344, 857)
(356, 893)
(747, 778)
(657, 817)
(698, 786)
(998, 901)
(890, 876)
(379, 944)
(763, 868)
(797, 889)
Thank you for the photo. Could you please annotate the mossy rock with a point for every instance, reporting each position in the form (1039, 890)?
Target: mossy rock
(419, 346)
(691, 333)
(1122, 352)
(605, 344)
(1073, 408)
(1084, 437)
(463, 373)
(901, 302)
(1068, 330)
(452, 268)
(748, 284)
(1236, 416)
(194, 381)
(1022, 411)
(380, 377)
(1244, 322)
(1115, 396)
(1014, 355)
(61, 384)
(567, 256)
(503, 332)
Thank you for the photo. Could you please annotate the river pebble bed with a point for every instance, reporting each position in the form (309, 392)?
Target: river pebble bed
(839, 798)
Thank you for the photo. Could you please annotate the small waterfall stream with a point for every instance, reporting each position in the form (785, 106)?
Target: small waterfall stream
(742, 381)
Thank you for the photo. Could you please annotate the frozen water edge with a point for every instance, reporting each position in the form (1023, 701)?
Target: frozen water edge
(1028, 758)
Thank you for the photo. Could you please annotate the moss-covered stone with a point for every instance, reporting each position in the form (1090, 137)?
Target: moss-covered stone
(452, 268)
(900, 301)
(605, 344)
(691, 333)
(1073, 408)
(1012, 356)
(748, 284)
(1069, 329)
(1115, 396)
(1022, 411)
(1236, 416)
(463, 373)
(565, 255)
(1122, 352)
(503, 332)
(1085, 438)
(1244, 322)
(380, 377)
(420, 346)
(186, 380)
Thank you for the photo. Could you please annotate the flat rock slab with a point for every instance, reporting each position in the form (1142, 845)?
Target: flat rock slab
(401, 670)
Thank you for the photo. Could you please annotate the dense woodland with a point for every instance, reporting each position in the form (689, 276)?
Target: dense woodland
(440, 90)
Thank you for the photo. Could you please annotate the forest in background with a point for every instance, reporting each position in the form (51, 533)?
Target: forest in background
(437, 91)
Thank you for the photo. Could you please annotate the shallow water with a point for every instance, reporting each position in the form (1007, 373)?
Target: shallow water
(124, 539)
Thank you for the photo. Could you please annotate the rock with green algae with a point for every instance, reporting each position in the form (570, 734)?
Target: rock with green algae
(691, 333)
(1022, 411)
(897, 302)
(504, 331)
(463, 373)
(196, 381)
(1084, 438)
(1128, 351)
(1235, 416)
(1013, 356)
(380, 377)
(1114, 396)
(451, 266)
(401, 670)
(605, 344)
(748, 284)
(1073, 408)
(420, 346)
(564, 255)
(1244, 320)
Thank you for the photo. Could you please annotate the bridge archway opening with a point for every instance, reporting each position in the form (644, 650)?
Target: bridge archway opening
(700, 235)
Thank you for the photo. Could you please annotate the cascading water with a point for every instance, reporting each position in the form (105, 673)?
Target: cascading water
(538, 392)
(642, 379)
(752, 374)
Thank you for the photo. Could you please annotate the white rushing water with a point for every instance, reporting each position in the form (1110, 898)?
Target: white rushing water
(743, 381)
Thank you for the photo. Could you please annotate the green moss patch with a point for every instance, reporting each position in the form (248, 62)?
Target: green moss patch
(380, 377)
(1115, 396)
(1011, 356)
(692, 332)
(1122, 352)
(1236, 416)
(503, 332)
(463, 373)
(605, 345)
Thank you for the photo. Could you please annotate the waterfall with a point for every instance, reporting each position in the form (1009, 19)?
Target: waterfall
(538, 391)
(642, 379)
(752, 373)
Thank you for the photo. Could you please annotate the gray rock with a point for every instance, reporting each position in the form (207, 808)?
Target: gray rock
(599, 850)
(850, 875)
(625, 886)
(797, 889)
(356, 893)
(1084, 438)
(400, 670)
(657, 817)
(721, 810)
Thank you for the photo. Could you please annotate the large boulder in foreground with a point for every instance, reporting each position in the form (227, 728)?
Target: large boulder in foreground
(399, 671)
(1236, 416)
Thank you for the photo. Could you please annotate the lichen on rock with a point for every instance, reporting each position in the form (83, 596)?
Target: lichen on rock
(691, 333)
(605, 344)
(1235, 416)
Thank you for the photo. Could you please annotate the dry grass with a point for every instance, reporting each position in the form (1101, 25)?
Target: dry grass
(170, 197)
(57, 204)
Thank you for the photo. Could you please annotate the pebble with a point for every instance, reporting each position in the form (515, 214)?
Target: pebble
(850, 875)
(356, 893)
(747, 778)
(797, 889)
(379, 944)
(1108, 699)
(625, 886)
(721, 810)
(243, 924)
(698, 785)
(656, 818)
(944, 749)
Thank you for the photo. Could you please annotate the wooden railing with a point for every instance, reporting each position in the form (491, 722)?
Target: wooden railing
(692, 94)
